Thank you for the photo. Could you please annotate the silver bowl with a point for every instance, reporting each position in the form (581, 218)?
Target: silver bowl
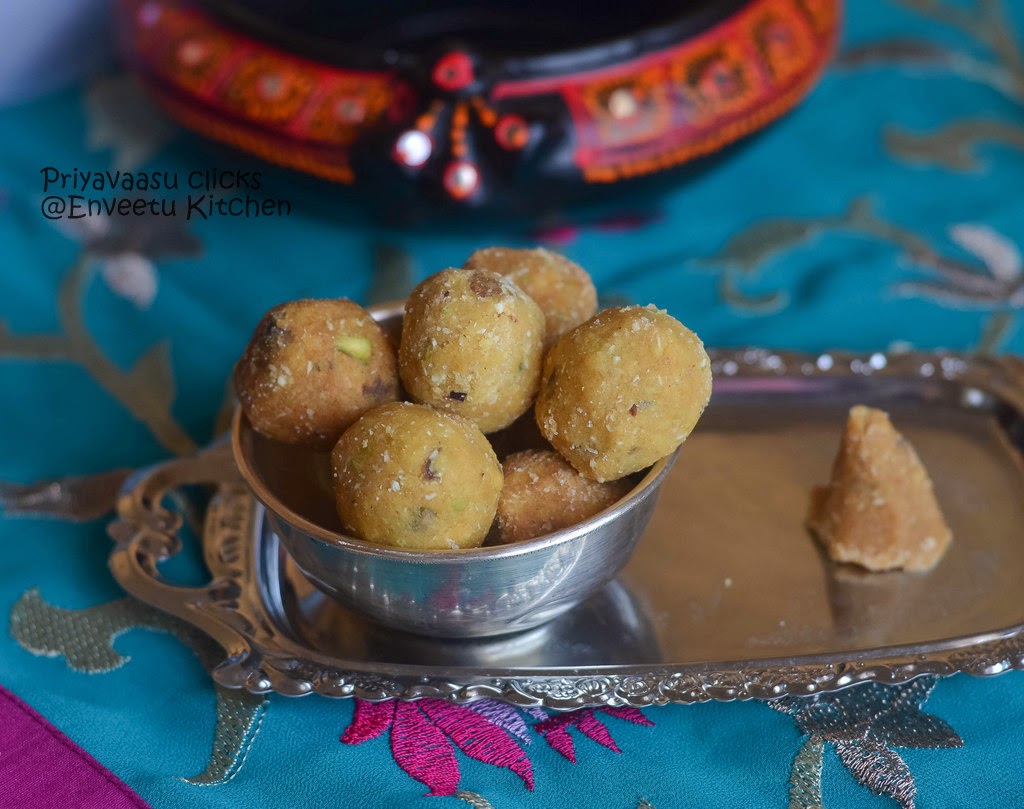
(480, 592)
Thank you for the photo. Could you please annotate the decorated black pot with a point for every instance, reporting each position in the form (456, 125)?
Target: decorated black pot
(470, 104)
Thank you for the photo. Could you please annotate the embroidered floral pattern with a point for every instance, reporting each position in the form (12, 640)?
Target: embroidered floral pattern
(988, 26)
(124, 250)
(120, 117)
(85, 639)
(864, 724)
(555, 729)
(993, 281)
(424, 736)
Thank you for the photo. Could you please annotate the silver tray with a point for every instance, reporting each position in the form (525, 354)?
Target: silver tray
(726, 597)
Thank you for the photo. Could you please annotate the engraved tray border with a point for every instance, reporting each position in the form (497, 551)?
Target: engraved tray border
(258, 657)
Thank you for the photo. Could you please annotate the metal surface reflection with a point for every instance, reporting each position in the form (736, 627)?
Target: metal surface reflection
(609, 628)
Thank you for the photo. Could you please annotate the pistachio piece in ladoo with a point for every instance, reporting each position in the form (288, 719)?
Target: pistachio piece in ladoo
(410, 476)
(312, 368)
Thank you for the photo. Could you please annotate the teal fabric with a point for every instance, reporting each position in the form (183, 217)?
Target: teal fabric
(768, 248)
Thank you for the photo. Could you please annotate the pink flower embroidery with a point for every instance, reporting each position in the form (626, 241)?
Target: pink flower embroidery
(555, 729)
(426, 733)
(423, 733)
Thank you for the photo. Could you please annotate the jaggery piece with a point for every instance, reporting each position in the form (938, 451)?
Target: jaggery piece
(879, 509)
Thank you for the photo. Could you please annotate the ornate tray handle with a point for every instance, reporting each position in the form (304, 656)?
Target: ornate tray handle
(257, 655)
(147, 532)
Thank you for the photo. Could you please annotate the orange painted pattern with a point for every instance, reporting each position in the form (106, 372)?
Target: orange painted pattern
(286, 109)
(631, 118)
(692, 99)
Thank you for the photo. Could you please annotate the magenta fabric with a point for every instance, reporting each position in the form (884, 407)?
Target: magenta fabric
(41, 768)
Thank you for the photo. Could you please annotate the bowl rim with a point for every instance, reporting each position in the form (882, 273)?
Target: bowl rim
(646, 486)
